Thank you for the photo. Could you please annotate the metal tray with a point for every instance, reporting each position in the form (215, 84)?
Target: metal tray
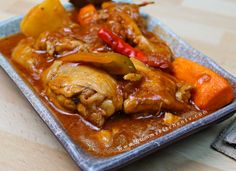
(88, 162)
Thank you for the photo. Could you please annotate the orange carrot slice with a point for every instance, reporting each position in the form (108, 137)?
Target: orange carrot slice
(87, 14)
(212, 91)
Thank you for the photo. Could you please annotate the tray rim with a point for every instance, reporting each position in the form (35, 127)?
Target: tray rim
(82, 159)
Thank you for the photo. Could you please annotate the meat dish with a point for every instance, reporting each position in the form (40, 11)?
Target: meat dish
(111, 83)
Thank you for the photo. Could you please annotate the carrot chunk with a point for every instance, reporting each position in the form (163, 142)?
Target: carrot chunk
(87, 14)
(211, 90)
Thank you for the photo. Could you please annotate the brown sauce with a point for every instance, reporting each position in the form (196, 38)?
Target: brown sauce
(121, 132)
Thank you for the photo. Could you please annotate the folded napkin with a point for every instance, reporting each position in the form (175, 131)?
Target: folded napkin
(226, 141)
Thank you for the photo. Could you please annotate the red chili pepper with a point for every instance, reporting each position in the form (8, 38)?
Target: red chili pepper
(120, 46)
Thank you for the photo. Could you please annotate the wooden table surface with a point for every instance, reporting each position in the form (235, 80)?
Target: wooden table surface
(26, 144)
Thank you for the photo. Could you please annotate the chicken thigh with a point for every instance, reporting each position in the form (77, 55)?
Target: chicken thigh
(155, 91)
(84, 89)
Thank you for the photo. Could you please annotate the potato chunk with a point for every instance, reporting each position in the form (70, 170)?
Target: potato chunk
(47, 16)
(170, 118)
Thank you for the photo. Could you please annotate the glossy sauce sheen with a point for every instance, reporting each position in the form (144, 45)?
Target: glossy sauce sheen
(120, 133)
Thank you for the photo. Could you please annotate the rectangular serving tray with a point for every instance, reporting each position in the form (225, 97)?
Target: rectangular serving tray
(91, 163)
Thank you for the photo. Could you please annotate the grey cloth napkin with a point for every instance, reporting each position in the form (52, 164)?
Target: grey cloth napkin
(226, 141)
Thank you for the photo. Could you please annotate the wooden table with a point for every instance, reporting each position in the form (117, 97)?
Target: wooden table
(26, 144)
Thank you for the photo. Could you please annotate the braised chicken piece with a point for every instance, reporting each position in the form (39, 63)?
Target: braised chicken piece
(59, 43)
(155, 91)
(84, 89)
(26, 56)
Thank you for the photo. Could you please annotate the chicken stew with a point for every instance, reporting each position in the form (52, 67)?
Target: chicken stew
(111, 83)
